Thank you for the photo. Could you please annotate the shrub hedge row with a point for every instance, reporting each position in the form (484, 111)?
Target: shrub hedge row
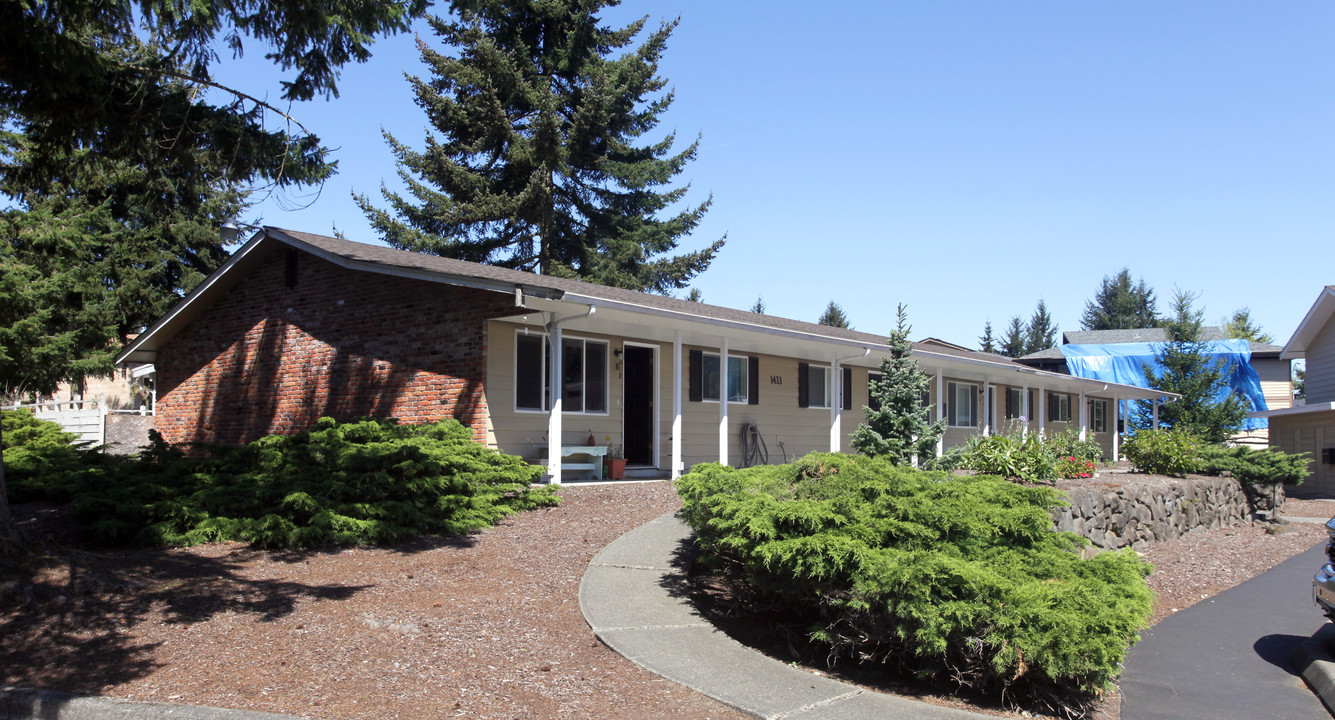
(366, 482)
(947, 577)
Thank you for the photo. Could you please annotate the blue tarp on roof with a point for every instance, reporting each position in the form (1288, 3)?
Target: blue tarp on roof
(1124, 363)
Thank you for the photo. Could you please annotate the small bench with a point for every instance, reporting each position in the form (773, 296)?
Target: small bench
(595, 464)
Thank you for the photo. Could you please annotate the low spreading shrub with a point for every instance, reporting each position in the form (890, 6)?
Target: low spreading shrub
(1164, 452)
(360, 483)
(957, 579)
(1254, 467)
(35, 450)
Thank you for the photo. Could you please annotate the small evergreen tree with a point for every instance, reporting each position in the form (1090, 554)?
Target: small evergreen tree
(540, 108)
(1241, 327)
(1119, 304)
(695, 295)
(987, 342)
(834, 317)
(1015, 341)
(1208, 408)
(897, 428)
(1042, 332)
(759, 307)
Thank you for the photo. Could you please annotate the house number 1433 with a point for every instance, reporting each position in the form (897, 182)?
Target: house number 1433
(775, 380)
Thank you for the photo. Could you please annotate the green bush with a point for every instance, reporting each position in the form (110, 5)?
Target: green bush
(36, 452)
(1164, 452)
(1254, 467)
(366, 482)
(1025, 457)
(957, 579)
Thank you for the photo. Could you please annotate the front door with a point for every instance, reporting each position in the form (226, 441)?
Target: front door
(638, 412)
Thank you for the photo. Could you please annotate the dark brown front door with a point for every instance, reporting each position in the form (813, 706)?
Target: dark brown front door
(638, 416)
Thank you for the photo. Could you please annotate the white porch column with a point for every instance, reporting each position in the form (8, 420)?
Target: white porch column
(987, 408)
(1156, 413)
(1028, 417)
(940, 409)
(1084, 417)
(723, 402)
(1042, 411)
(554, 417)
(1117, 436)
(837, 391)
(676, 406)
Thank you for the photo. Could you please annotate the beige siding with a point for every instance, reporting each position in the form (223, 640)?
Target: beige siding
(1321, 366)
(1275, 382)
(1309, 433)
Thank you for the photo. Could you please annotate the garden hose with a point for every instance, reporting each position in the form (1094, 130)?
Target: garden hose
(754, 451)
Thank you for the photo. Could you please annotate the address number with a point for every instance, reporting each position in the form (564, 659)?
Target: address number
(775, 380)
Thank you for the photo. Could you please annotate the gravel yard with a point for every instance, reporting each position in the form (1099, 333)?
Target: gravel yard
(484, 627)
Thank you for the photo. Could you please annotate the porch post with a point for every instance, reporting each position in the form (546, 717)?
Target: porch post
(676, 406)
(1042, 410)
(1084, 417)
(554, 416)
(836, 404)
(1116, 436)
(1028, 418)
(940, 409)
(987, 407)
(1156, 413)
(723, 402)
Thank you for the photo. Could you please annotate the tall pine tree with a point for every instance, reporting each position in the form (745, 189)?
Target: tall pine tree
(1119, 304)
(1041, 333)
(896, 427)
(539, 110)
(1208, 407)
(1241, 327)
(987, 342)
(1015, 341)
(834, 317)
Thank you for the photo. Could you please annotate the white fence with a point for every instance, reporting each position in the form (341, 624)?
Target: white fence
(85, 418)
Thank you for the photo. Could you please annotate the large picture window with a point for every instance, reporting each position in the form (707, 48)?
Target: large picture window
(583, 374)
(961, 404)
(738, 390)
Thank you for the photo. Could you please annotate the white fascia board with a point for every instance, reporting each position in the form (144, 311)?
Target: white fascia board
(1316, 318)
(133, 351)
(1296, 410)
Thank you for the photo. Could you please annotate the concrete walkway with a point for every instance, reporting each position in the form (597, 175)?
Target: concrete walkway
(634, 597)
(20, 704)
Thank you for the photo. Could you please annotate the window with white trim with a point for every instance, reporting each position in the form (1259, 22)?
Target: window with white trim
(583, 374)
(961, 404)
(1014, 403)
(817, 386)
(1098, 413)
(1059, 407)
(737, 377)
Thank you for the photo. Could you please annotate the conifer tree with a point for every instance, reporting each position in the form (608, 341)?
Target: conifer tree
(1016, 339)
(1241, 327)
(695, 295)
(896, 427)
(539, 109)
(1208, 408)
(987, 342)
(834, 317)
(759, 307)
(1041, 333)
(1119, 304)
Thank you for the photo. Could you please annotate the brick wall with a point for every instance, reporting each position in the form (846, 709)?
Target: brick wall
(299, 338)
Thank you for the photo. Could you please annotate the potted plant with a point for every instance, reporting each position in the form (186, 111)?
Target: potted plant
(614, 463)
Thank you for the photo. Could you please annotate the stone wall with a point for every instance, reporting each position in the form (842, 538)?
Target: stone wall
(1117, 515)
(127, 434)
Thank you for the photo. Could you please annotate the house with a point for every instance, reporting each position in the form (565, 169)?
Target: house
(1310, 428)
(1257, 371)
(296, 326)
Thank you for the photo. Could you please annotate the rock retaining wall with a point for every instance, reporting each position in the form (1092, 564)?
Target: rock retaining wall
(1137, 513)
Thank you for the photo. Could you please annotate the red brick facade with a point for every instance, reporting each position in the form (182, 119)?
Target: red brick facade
(300, 338)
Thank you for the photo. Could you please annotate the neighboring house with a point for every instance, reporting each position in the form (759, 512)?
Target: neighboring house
(1310, 428)
(1269, 388)
(298, 326)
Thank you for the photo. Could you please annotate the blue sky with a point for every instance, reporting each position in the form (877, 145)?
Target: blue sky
(964, 158)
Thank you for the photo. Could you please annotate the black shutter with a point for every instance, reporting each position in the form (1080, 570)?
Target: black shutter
(696, 376)
(802, 400)
(753, 381)
(847, 388)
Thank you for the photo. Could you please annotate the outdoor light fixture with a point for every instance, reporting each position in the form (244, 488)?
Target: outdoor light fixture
(232, 229)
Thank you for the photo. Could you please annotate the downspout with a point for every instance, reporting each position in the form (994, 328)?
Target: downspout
(554, 420)
(837, 403)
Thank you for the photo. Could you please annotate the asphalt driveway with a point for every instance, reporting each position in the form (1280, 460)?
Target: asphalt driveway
(1228, 657)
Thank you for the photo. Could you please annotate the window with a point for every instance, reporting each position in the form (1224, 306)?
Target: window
(1059, 407)
(1014, 403)
(737, 377)
(961, 404)
(813, 386)
(583, 374)
(1099, 413)
(872, 403)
